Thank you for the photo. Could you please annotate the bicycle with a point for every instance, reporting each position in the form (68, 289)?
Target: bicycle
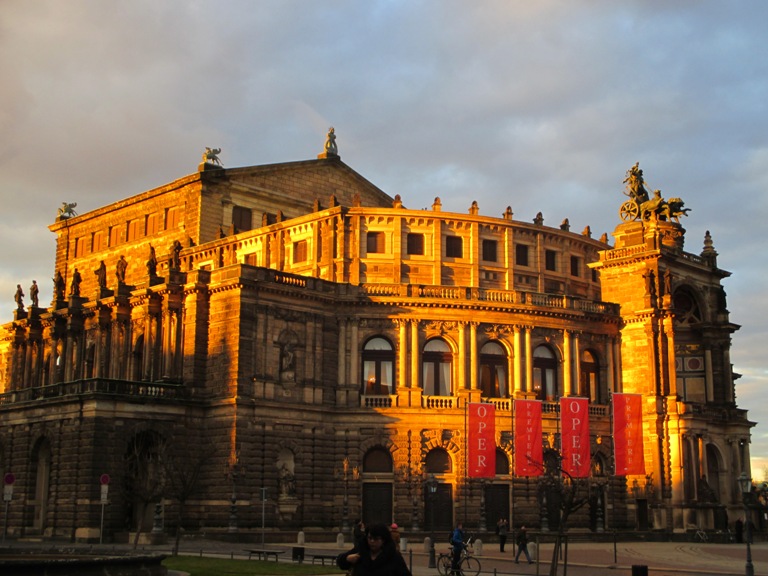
(468, 565)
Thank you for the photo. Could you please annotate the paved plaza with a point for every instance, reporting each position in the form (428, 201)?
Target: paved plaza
(584, 558)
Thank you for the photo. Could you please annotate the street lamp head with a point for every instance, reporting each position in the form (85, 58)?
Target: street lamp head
(431, 484)
(745, 483)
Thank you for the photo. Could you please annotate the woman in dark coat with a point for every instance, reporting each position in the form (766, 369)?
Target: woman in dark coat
(375, 556)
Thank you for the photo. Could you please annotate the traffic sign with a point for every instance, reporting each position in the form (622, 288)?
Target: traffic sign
(104, 479)
(9, 479)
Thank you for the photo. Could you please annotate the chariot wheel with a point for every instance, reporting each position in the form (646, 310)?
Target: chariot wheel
(629, 211)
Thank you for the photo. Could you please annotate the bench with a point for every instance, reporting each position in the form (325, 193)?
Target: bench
(264, 554)
(323, 557)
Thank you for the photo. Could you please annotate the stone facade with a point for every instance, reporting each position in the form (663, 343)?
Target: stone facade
(290, 332)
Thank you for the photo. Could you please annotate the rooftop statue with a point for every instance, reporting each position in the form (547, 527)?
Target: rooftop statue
(19, 297)
(641, 206)
(330, 142)
(67, 209)
(211, 155)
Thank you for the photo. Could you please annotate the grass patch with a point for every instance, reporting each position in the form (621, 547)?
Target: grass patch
(202, 566)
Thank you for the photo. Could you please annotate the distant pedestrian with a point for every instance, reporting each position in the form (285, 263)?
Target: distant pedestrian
(739, 528)
(522, 545)
(501, 529)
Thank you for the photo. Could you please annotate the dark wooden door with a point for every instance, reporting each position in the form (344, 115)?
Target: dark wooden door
(377, 503)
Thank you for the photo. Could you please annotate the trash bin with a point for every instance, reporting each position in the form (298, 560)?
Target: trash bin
(297, 554)
(639, 570)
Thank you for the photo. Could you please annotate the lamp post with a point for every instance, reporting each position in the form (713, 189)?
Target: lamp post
(346, 474)
(431, 484)
(745, 485)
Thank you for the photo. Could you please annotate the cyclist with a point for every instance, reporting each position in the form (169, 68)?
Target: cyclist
(457, 542)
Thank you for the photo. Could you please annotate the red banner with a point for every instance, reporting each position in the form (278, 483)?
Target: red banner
(628, 434)
(528, 450)
(481, 439)
(574, 418)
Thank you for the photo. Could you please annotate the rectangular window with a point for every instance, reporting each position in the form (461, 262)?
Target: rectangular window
(550, 260)
(595, 277)
(575, 266)
(521, 255)
(241, 218)
(99, 241)
(489, 250)
(152, 225)
(454, 246)
(299, 251)
(81, 247)
(133, 231)
(415, 244)
(172, 217)
(375, 243)
(114, 235)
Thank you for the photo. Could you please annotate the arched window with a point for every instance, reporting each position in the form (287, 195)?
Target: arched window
(41, 470)
(137, 358)
(438, 462)
(598, 465)
(589, 381)
(545, 374)
(90, 355)
(436, 361)
(378, 366)
(493, 371)
(377, 460)
(502, 462)
(687, 310)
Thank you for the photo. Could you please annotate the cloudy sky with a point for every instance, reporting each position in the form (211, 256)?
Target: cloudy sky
(539, 105)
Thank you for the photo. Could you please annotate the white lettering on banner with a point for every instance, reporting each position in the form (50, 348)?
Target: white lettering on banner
(576, 460)
(576, 442)
(481, 461)
(574, 407)
(482, 411)
(481, 427)
(575, 423)
(481, 443)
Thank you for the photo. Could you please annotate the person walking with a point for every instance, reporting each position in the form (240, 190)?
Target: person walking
(501, 529)
(522, 545)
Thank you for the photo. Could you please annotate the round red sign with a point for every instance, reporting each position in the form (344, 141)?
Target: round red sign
(104, 479)
(9, 478)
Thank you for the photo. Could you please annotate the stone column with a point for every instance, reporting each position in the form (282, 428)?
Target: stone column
(611, 383)
(728, 375)
(567, 365)
(528, 384)
(577, 367)
(342, 360)
(708, 377)
(461, 371)
(473, 359)
(517, 366)
(402, 354)
(354, 356)
(415, 380)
